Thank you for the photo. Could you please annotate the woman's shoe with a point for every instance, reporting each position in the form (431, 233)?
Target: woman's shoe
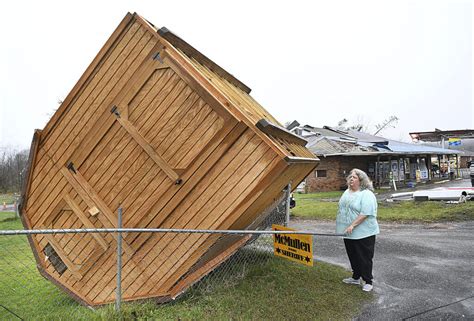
(367, 287)
(351, 281)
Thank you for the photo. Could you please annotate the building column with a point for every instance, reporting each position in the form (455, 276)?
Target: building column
(398, 168)
(377, 171)
(449, 165)
(404, 169)
(390, 173)
(457, 164)
(428, 165)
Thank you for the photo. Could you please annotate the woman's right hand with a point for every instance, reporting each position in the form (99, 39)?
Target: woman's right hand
(349, 229)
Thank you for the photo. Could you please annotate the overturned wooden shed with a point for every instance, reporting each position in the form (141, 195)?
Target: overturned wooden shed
(156, 127)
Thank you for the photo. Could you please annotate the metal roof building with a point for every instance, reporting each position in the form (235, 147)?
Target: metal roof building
(387, 161)
(337, 142)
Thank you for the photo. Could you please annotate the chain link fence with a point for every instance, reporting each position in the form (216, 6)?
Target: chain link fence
(257, 251)
(25, 294)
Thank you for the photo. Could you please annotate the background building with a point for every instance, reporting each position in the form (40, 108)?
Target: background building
(387, 162)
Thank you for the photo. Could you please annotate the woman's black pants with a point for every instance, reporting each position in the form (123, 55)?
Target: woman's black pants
(361, 253)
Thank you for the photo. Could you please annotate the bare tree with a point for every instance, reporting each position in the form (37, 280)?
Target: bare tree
(360, 125)
(13, 163)
(342, 122)
(390, 122)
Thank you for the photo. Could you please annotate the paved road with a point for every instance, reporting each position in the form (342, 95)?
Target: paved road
(7, 208)
(421, 271)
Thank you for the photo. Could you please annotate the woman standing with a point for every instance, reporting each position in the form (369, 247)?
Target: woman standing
(357, 219)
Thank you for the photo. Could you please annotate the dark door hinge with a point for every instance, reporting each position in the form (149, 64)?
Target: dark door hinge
(115, 111)
(70, 166)
(158, 57)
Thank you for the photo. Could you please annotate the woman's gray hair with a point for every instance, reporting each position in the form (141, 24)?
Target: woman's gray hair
(365, 182)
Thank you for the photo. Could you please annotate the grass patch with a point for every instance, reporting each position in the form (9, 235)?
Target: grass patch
(7, 216)
(318, 196)
(409, 211)
(23, 290)
(425, 211)
(313, 209)
(277, 289)
(331, 195)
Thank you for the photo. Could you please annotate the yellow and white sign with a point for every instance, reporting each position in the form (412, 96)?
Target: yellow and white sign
(294, 247)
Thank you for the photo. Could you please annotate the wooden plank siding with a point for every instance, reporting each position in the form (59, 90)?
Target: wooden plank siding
(184, 213)
(232, 138)
(227, 207)
(228, 250)
(237, 96)
(96, 78)
(72, 123)
(86, 77)
(52, 156)
(172, 139)
(110, 264)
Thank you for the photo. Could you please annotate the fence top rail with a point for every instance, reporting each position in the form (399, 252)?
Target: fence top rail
(159, 230)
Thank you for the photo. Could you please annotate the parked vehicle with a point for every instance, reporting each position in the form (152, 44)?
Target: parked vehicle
(471, 172)
(301, 188)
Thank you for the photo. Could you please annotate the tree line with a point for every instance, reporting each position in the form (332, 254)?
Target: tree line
(13, 167)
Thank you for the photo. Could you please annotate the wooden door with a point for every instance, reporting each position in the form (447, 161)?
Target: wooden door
(157, 141)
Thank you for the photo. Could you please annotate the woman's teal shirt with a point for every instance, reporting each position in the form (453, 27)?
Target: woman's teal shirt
(351, 205)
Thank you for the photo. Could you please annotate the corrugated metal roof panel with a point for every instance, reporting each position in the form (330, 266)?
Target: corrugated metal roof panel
(334, 142)
(328, 146)
(331, 147)
(400, 147)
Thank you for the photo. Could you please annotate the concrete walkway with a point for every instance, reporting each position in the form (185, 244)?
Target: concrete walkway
(421, 271)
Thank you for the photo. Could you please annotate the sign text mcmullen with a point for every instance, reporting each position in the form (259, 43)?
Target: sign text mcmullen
(294, 247)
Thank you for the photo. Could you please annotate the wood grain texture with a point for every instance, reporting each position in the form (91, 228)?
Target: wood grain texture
(149, 150)
(85, 220)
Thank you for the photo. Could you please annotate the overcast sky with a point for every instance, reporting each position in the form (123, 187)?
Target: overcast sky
(314, 61)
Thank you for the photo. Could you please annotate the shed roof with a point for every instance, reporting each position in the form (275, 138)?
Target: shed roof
(234, 90)
(237, 98)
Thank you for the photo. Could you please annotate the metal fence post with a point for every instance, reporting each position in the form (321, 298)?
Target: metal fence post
(17, 209)
(288, 197)
(17, 206)
(118, 295)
